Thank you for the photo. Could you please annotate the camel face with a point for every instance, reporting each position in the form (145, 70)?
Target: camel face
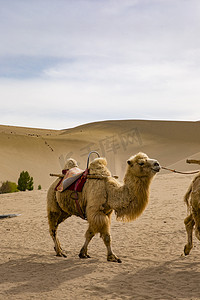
(141, 165)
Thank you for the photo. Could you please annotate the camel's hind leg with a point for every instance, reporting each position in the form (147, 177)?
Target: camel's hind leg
(88, 236)
(189, 225)
(55, 218)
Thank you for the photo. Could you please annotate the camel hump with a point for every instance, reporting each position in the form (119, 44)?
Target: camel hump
(70, 163)
(99, 167)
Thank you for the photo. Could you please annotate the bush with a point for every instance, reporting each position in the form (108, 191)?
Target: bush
(39, 187)
(8, 187)
(25, 182)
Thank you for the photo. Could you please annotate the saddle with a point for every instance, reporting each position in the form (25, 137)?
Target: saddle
(74, 180)
(72, 177)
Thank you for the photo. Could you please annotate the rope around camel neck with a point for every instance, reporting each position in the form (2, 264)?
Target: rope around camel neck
(187, 173)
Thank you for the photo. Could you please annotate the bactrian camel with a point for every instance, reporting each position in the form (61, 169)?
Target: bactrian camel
(100, 197)
(192, 199)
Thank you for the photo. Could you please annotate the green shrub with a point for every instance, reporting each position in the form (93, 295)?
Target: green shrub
(25, 182)
(39, 187)
(8, 187)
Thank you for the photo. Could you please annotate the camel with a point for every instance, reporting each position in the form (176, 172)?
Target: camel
(192, 199)
(100, 197)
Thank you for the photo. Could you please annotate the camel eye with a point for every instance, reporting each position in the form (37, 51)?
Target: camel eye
(129, 163)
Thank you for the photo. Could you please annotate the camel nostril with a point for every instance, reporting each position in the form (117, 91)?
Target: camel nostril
(156, 164)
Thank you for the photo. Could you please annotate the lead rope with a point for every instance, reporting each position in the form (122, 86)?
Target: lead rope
(187, 173)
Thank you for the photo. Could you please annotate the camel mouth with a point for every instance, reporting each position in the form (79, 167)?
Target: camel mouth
(156, 170)
(155, 167)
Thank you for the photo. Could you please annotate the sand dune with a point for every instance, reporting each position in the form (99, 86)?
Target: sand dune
(151, 248)
(41, 151)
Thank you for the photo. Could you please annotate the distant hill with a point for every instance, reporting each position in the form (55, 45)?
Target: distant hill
(41, 151)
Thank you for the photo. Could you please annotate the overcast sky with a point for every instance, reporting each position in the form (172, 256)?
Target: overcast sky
(64, 63)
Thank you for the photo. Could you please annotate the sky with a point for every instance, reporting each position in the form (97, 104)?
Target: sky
(64, 63)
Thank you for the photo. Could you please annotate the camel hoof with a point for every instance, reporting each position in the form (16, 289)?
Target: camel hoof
(81, 255)
(60, 253)
(114, 258)
(187, 250)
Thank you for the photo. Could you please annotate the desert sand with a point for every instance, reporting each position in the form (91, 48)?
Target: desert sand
(151, 247)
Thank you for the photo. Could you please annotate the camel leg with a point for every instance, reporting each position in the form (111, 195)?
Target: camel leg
(55, 219)
(189, 224)
(88, 236)
(107, 241)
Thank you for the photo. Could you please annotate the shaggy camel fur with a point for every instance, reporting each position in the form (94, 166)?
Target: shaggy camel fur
(100, 197)
(192, 199)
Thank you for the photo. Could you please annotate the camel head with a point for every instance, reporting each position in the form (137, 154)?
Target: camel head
(140, 165)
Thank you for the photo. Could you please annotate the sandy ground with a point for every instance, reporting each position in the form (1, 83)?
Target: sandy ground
(151, 248)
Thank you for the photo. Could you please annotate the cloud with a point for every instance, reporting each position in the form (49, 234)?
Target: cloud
(70, 62)
(65, 28)
(60, 104)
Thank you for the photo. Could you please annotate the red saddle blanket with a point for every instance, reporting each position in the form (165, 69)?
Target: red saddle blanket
(74, 179)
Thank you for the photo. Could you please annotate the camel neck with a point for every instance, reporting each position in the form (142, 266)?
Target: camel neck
(137, 183)
(135, 196)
